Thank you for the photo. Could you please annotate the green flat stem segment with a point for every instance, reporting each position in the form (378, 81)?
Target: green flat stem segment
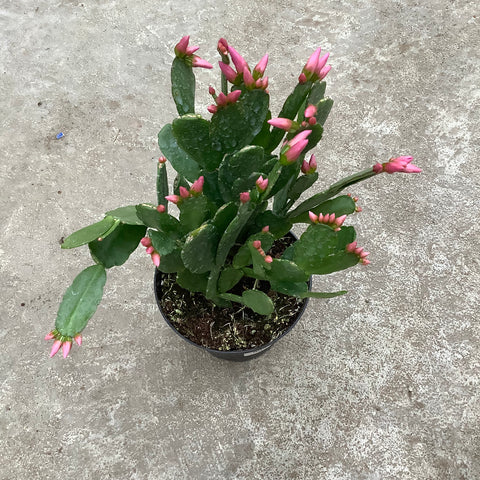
(333, 190)
(80, 301)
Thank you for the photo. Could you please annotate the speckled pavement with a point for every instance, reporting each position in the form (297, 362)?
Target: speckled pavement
(381, 384)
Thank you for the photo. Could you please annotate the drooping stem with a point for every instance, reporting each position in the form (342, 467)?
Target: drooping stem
(333, 190)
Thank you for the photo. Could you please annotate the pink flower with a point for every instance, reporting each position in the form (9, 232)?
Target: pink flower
(257, 244)
(259, 69)
(161, 209)
(173, 198)
(262, 183)
(222, 47)
(212, 109)
(229, 73)
(200, 62)
(309, 167)
(162, 159)
(197, 185)
(313, 218)
(359, 252)
(245, 197)
(232, 97)
(237, 59)
(398, 164)
(184, 193)
(315, 68)
(302, 78)
(156, 259)
(268, 259)
(299, 137)
(282, 123)
(145, 241)
(310, 111)
(211, 90)
(62, 341)
(265, 229)
(248, 79)
(150, 250)
(182, 50)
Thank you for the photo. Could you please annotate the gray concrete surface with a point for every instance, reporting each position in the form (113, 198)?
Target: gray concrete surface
(380, 384)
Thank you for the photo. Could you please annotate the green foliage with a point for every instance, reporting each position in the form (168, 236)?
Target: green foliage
(80, 301)
(342, 205)
(198, 253)
(152, 218)
(236, 125)
(90, 233)
(162, 185)
(229, 278)
(193, 212)
(126, 215)
(179, 159)
(162, 242)
(193, 136)
(194, 282)
(115, 249)
(183, 86)
(258, 301)
(323, 110)
(172, 262)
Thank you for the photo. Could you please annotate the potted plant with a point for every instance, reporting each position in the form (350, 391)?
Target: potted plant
(228, 271)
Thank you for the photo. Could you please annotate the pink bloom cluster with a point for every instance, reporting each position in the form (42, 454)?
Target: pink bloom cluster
(292, 126)
(258, 245)
(315, 68)
(195, 190)
(182, 50)
(63, 342)
(328, 219)
(359, 252)
(261, 183)
(223, 100)
(147, 243)
(398, 164)
(358, 208)
(245, 197)
(310, 166)
(293, 148)
(251, 79)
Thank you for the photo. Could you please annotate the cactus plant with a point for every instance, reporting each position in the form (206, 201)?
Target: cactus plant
(240, 176)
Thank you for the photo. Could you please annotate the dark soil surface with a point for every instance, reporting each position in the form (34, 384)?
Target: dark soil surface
(220, 328)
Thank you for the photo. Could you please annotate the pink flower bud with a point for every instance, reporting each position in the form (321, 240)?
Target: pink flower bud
(262, 183)
(197, 185)
(312, 61)
(247, 78)
(326, 218)
(162, 159)
(339, 221)
(237, 59)
(265, 229)
(184, 193)
(78, 339)
(173, 198)
(322, 61)
(66, 346)
(55, 347)
(299, 137)
(310, 111)
(211, 90)
(261, 65)
(181, 46)
(156, 259)
(351, 247)
(150, 250)
(229, 73)
(364, 261)
(268, 259)
(222, 47)
(191, 50)
(313, 218)
(378, 167)
(302, 79)
(304, 167)
(312, 121)
(323, 72)
(283, 123)
(212, 109)
(221, 99)
(49, 336)
(257, 244)
(161, 209)
(146, 241)
(245, 197)
(232, 97)
(200, 62)
(294, 152)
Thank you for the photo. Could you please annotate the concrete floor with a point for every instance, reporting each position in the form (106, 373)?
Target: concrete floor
(380, 384)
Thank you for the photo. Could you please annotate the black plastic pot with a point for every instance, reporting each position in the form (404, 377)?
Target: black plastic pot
(232, 355)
